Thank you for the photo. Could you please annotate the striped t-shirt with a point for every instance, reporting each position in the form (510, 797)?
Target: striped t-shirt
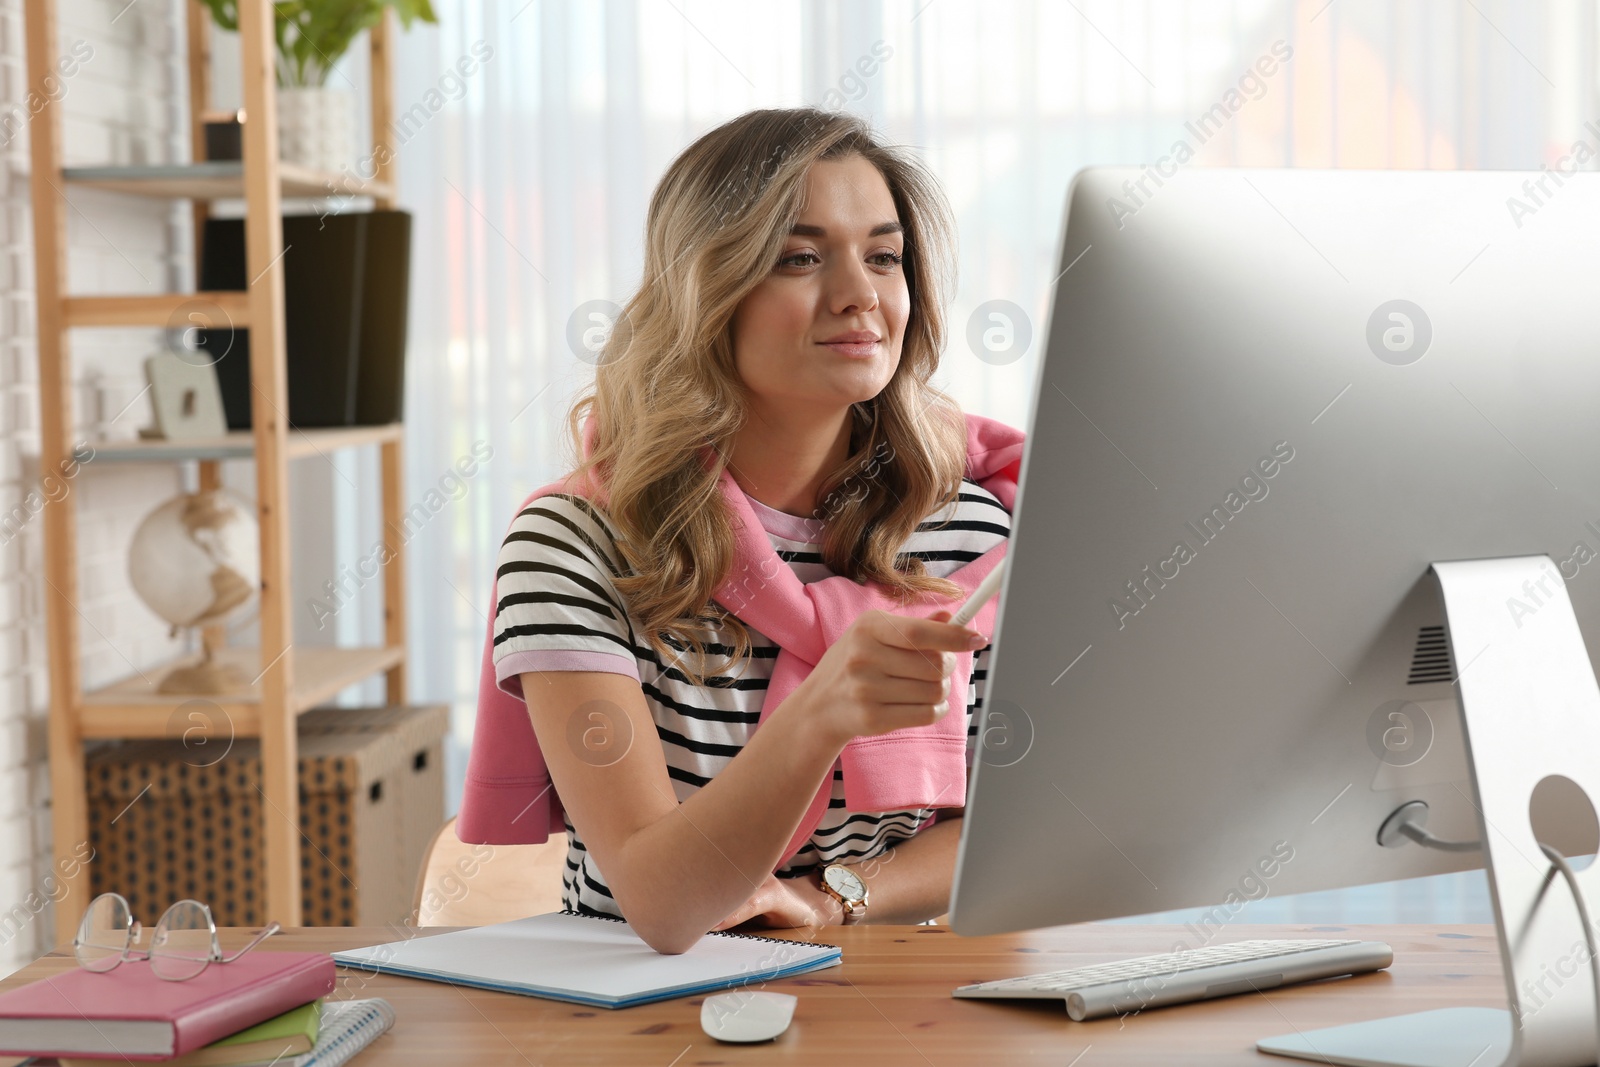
(558, 610)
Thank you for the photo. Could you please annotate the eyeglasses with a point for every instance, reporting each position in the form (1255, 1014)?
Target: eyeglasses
(183, 945)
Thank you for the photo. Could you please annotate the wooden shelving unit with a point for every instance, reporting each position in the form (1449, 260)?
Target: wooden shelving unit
(132, 707)
(240, 444)
(287, 679)
(221, 180)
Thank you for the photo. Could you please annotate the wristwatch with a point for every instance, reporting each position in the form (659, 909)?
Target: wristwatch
(844, 885)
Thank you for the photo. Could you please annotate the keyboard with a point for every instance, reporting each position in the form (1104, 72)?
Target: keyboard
(1179, 977)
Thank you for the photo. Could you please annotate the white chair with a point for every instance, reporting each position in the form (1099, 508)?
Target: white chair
(476, 885)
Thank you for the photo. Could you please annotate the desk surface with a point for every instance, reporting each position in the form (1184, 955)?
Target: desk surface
(889, 1003)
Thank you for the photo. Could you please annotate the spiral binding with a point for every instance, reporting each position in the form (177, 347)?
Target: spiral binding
(713, 933)
(352, 1029)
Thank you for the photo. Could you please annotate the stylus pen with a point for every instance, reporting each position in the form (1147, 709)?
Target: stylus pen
(980, 596)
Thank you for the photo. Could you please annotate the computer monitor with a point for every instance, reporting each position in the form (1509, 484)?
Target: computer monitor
(1269, 402)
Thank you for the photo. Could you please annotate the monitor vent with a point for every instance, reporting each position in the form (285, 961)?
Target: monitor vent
(1431, 660)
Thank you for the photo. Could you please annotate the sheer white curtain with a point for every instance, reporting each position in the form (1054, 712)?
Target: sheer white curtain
(534, 130)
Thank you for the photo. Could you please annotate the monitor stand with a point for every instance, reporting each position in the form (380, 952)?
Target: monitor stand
(1530, 709)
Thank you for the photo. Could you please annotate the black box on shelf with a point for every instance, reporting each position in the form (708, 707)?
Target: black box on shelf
(224, 138)
(346, 289)
(381, 377)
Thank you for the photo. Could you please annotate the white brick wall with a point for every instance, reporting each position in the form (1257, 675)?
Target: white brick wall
(125, 105)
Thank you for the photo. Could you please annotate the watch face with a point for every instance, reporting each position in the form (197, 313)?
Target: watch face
(845, 882)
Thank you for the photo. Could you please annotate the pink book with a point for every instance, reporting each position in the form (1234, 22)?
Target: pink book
(129, 1013)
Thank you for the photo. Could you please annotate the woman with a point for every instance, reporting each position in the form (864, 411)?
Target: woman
(761, 413)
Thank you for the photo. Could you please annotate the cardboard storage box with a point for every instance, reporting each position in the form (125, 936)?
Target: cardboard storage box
(169, 821)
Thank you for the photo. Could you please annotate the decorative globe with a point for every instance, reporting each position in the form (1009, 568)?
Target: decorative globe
(195, 560)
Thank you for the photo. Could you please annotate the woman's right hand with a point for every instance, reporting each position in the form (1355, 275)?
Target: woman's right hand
(887, 672)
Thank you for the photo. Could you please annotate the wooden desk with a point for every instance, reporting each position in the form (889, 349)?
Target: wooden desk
(889, 1003)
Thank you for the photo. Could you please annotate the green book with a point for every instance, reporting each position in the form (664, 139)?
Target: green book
(290, 1034)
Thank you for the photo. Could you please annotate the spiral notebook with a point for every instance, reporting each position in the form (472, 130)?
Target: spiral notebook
(592, 960)
(348, 1026)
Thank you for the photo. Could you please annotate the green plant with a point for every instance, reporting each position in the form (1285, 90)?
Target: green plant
(313, 34)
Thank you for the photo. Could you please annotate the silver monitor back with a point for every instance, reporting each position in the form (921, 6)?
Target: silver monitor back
(1268, 401)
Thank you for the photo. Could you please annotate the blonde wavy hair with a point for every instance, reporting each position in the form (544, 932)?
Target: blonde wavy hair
(667, 398)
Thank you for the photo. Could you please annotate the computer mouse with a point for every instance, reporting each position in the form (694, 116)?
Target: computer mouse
(746, 1015)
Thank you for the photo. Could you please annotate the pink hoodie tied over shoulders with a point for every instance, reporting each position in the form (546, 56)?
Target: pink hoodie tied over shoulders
(509, 799)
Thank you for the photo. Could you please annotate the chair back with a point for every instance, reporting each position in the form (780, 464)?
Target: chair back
(476, 885)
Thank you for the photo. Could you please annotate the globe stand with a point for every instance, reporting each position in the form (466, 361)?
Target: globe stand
(194, 562)
(209, 677)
